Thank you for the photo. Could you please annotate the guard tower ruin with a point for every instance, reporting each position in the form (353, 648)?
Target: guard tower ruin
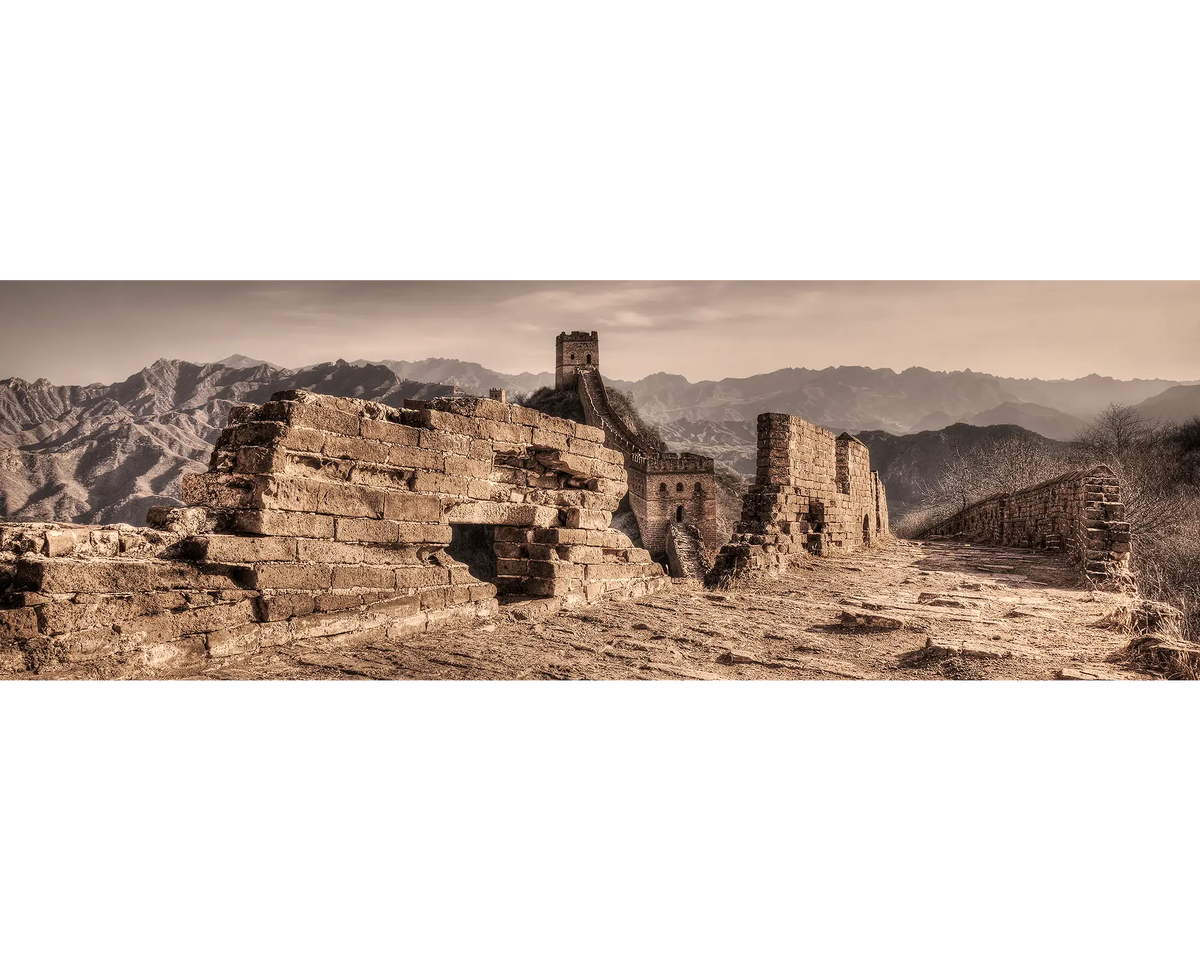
(572, 351)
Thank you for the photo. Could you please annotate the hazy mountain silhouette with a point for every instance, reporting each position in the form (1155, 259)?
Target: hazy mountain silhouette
(103, 453)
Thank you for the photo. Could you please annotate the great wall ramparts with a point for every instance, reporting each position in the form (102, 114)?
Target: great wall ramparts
(1080, 513)
(665, 489)
(330, 519)
(813, 493)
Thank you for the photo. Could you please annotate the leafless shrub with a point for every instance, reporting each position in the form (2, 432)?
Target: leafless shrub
(730, 489)
(916, 522)
(1001, 467)
(625, 407)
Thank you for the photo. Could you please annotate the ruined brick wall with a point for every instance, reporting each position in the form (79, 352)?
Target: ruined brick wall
(1080, 513)
(813, 492)
(572, 351)
(655, 478)
(326, 519)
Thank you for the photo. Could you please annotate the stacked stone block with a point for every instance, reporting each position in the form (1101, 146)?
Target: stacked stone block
(325, 519)
(1080, 513)
(813, 493)
(556, 561)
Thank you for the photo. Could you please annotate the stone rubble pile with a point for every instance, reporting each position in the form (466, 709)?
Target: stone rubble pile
(326, 519)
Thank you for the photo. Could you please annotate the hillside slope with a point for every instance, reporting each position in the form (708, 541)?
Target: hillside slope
(104, 454)
(1175, 405)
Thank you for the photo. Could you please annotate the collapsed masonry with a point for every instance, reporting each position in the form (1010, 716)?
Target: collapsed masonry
(1080, 513)
(325, 519)
(813, 493)
(673, 495)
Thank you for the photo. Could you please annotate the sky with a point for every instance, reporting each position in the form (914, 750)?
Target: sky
(78, 333)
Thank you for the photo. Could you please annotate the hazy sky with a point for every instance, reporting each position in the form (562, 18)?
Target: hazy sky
(88, 332)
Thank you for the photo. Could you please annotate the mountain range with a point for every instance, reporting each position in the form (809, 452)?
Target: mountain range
(104, 453)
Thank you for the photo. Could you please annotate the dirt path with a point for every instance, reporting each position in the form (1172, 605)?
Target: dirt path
(985, 613)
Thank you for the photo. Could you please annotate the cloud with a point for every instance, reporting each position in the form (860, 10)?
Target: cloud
(589, 301)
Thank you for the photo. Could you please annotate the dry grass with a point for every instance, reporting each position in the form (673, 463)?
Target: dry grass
(914, 523)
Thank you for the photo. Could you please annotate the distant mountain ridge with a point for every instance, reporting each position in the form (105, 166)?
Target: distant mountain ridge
(104, 453)
(1174, 405)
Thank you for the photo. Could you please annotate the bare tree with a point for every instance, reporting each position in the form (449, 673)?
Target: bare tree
(1116, 434)
(959, 484)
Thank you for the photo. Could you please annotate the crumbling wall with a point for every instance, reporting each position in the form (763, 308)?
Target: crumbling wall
(326, 519)
(813, 493)
(1080, 513)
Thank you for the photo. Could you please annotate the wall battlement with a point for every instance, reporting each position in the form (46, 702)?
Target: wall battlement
(330, 520)
(813, 493)
(1080, 513)
(673, 463)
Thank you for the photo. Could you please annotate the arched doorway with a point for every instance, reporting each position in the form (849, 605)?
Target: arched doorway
(679, 514)
(867, 529)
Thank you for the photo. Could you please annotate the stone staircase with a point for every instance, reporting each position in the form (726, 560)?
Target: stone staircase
(685, 552)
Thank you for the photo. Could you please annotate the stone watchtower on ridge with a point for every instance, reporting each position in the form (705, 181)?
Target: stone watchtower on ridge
(668, 492)
(572, 351)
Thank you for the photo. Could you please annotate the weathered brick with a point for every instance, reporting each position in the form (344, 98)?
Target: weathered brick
(550, 588)
(18, 624)
(426, 482)
(390, 432)
(281, 606)
(580, 554)
(367, 531)
(417, 458)
(579, 519)
(325, 551)
(314, 416)
(219, 490)
(450, 443)
(215, 548)
(420, 578)
(468, 467)
(411, 506)
(259, 460)
(423, 533)
(292, 576)
(356, 448)
(277, 523)
(371, 577)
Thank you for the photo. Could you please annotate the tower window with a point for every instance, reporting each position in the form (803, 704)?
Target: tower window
(699, 489)
(662, 488)
(679, 488)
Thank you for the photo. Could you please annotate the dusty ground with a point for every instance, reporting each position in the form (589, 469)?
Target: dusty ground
(989, 613)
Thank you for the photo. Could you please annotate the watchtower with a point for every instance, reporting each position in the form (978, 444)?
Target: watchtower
(572, 351)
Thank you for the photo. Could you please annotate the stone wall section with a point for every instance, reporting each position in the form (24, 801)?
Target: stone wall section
(325, 519)
(813, 493)
(660, 484)
(1080, 513)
